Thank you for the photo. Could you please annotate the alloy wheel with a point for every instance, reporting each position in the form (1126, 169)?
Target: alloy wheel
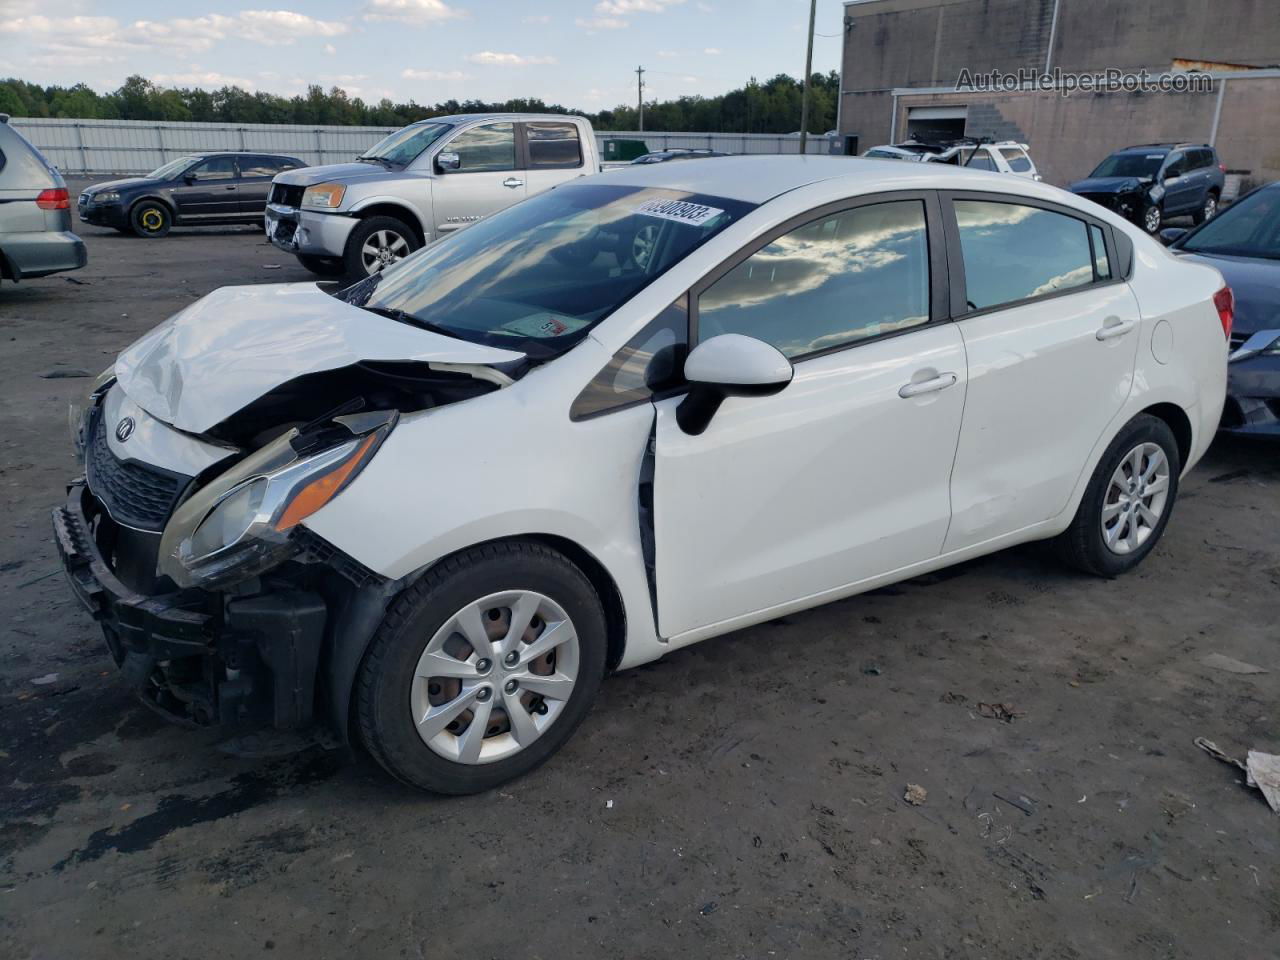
(381, 249)
(1136, 498)
(643, 244)
(1151, 220)
(494, 677)
(1210, 207)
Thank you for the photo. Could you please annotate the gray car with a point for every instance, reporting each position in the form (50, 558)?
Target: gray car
(35, 212)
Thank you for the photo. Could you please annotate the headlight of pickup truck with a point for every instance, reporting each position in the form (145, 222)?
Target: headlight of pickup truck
(246, 531)
(325, 196)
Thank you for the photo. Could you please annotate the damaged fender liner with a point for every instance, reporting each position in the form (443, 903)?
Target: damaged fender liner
(265, 660)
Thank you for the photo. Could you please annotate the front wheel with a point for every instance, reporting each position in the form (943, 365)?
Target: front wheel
(375, 244)
(1152, 218)
(1128, 501)
(482, 669)
(151, 220)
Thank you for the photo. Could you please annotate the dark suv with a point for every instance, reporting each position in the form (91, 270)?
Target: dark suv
(206, 188)
(1151, 182)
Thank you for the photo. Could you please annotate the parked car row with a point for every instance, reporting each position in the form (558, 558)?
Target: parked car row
(1148, 183)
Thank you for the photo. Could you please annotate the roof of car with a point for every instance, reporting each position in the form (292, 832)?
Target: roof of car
(464, 117)
(755, 179)
(1163, 146)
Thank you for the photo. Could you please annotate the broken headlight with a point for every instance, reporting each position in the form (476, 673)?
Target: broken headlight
(80, 412)
(247, 529)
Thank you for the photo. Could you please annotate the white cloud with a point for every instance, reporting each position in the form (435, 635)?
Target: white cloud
(601, 23)
(490, 58)
(410, 74)
(712, 51)
(330, 49)
(536, 18)
(411, 11)
(621, 8)
(205, 80)
(705, 8)
(668, 54)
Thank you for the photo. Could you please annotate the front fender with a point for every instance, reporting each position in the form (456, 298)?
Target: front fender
(420, 208)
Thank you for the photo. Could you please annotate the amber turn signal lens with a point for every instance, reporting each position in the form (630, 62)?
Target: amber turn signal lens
(323, 489)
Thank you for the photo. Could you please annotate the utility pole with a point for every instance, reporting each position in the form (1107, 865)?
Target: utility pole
(640, 95)
(808, 73)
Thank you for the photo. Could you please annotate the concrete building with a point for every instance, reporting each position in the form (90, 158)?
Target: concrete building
(904, 60)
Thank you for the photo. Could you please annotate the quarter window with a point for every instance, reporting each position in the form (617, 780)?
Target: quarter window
(1101, 265)
(1015, 252)
(846, 277)
(651, 362)
(259, 167)
(491, 147)
(553, 145)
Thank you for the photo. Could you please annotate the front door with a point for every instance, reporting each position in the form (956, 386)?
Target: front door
(210, 191)
(1051, 337)
(1180, 185)
(843, 475)
(488, 178)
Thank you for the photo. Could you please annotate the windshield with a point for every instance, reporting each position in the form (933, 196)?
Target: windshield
(1129, 165)
(1248, 228)
(537, 276)
(171, 169)
(404, 146)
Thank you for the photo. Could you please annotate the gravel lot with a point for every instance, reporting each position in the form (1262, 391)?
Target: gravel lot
(743, 798)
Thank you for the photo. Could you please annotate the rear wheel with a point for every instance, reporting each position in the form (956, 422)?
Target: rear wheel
(150, 219)
(377, 243)
(322, 266)
(1209, 210)
(1128, 501)
(482, 669)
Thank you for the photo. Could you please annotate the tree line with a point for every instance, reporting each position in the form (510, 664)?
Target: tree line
(769, 107)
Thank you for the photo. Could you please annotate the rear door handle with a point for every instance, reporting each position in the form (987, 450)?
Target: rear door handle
(513, 182)
(917, 388)
(1114, 327)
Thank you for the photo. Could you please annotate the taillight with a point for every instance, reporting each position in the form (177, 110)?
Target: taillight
(55, 199)
(1224, 301)
(1222, 167)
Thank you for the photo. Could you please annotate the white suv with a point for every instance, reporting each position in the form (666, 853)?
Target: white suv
(1004, 156)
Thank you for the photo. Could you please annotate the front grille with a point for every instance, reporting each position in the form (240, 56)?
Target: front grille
(135, 494)
(286, 194)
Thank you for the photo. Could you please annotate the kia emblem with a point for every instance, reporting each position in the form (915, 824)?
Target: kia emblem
(124, 429)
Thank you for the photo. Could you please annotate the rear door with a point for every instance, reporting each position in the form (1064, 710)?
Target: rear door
(209, 190)
(255, 181)
(553, 154)
(489, 178)
(1051, 333)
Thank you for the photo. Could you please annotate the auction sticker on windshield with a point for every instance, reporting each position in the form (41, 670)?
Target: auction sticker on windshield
(681, 211)
(544, 325)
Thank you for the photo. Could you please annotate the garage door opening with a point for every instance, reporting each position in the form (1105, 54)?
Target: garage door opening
(931, 124)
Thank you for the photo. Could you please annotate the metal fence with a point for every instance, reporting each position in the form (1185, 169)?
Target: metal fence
(87, 147)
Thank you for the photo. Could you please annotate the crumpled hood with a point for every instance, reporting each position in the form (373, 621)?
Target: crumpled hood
(1255, 282)
(343, 172)
(215, 357)
(1109, 185)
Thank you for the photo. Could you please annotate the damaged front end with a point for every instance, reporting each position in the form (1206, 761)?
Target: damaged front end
(189, 546)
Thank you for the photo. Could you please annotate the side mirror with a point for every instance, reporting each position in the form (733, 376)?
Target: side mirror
(730, 365)
(448, 161)
(1171, 235)
(190, 178)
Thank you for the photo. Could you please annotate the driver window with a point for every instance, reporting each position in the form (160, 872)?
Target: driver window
(219, 168)
(1176, 167)
(491, 147)
(846, 277)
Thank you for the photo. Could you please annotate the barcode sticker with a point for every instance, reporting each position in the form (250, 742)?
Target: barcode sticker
(681, 211)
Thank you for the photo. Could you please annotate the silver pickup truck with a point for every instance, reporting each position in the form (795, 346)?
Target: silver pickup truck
(434, 176)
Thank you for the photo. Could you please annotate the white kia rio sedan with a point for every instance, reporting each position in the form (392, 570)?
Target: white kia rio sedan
(431, 511)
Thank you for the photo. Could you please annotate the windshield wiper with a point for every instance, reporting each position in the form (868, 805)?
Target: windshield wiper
(404, 316)
(382, 160)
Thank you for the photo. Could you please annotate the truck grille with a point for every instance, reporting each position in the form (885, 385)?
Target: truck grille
(135, 494)
(286, 194)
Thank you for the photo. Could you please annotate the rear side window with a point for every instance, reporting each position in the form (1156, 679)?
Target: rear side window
(553, 145)
(981, 161)
(260, 167)
(1017, 160)
(829, 283)
(1015, 252)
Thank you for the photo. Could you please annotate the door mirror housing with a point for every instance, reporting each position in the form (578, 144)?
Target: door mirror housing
(1171, 235)
(448, 161)
(730, 365)
(190, 178)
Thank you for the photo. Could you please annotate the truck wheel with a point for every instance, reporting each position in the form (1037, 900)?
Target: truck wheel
(377, 243)
(322, 266)
(1128, 501)
(482, 669)
(151, 219)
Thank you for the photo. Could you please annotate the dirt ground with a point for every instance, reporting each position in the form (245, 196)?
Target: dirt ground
(742, 798)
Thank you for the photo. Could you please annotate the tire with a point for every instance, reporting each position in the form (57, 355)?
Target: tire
(1084, 544)
(150, 219)
(384, 233)
(393, 688)
(1152, 218)
(1208, 209)
(322, 266)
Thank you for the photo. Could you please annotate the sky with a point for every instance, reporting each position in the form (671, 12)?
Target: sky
(579, 53)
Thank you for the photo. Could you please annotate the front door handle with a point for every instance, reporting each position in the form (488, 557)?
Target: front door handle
(1114, 327)
(513, 182)
(232, 187)
(917, 388)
